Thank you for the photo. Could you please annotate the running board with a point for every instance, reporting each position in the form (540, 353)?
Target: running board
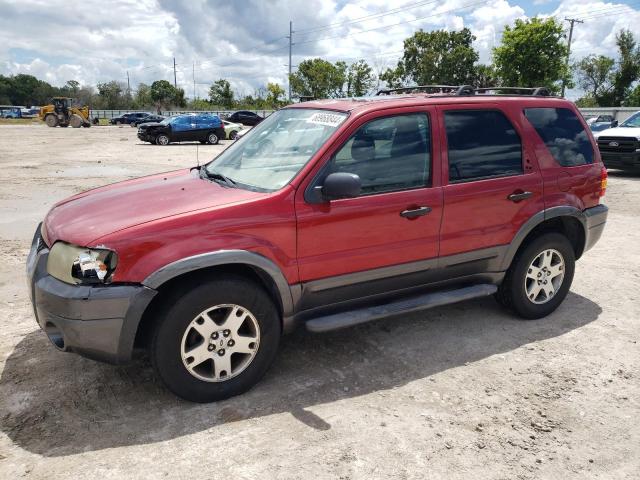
(406, 305)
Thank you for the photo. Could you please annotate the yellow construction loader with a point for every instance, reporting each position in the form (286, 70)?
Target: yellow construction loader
(62, 113)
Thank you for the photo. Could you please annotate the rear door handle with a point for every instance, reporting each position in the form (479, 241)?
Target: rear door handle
(415, 212)
(519, 196)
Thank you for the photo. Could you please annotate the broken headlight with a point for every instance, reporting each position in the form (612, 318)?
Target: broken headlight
(80, 265)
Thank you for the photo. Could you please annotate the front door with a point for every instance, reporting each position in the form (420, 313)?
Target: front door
(366, 245)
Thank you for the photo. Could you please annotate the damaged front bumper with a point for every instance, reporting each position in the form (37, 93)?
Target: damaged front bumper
(98, 322)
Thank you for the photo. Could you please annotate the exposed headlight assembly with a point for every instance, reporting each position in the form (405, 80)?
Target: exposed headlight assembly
(85, 266)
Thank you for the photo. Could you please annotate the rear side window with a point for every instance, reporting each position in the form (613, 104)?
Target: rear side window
(563, 134)
(482, 144)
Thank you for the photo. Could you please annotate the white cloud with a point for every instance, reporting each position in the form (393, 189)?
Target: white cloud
(245, 42)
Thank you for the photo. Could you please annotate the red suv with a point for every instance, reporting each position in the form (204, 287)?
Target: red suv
(329, 213)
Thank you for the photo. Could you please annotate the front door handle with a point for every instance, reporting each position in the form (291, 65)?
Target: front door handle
(519, 196)
(415, 212)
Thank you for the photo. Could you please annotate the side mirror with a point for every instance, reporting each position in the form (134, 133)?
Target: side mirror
(614, 123)
(341, 185)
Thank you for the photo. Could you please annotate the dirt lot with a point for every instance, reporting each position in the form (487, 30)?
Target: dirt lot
(465, 391)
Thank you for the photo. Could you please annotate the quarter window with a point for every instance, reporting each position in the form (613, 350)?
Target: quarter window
(388, 154)
(563, 134)
(482, 144)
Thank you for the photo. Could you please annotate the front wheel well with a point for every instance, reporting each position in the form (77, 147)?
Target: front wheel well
(568, 226)
(175, 287)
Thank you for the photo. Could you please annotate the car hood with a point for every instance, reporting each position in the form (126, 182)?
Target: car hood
(619, 132)
(151, 124)
(88, 216)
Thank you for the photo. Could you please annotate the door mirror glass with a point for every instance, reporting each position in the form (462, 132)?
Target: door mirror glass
(341, 185)
(614, 123)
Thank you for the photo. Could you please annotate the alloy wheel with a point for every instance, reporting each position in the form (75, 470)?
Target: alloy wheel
(220, 343)
(544, 276)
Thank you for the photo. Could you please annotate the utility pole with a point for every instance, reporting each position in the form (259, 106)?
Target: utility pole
(175, 79)
(290, 37)
(572, 21)
(128, 84)
(194, 80)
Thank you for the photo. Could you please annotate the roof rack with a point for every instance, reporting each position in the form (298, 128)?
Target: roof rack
(441, 89)
(534, 92)
(467, 90)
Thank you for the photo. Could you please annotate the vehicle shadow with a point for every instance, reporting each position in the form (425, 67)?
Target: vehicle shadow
(56, 404)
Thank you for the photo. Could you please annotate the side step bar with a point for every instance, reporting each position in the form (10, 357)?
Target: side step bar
(406, 305)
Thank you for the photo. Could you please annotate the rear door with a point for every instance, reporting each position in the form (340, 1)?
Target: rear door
(491, 184)
(567, 155)
(384, 239)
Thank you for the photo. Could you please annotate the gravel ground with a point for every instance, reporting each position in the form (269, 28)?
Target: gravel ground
(464, 391)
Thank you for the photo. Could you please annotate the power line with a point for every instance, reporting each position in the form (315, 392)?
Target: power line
(464, 7)
(365, 18)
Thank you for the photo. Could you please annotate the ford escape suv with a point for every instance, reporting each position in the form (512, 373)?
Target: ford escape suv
(327, 214)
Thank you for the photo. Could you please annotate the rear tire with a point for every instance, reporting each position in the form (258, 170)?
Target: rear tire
(233, 135)
(185, 328)
(212, 139)
(539, 277)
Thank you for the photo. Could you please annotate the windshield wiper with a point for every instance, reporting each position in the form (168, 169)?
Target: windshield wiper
(217, 177)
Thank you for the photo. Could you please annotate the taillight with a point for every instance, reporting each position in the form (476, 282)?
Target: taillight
(603, 181)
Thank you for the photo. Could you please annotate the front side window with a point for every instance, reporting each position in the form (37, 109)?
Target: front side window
(563, 134)
(388, 154)
(273, 152)
(482, 144)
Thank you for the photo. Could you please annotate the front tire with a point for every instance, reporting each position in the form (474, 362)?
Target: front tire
(233, 135)
(51, 120)
(162, 140)
(539, 277)
(216, 339)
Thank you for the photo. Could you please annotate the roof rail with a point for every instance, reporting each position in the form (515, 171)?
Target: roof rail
(535, 92)
(464, 90)
(442, 89)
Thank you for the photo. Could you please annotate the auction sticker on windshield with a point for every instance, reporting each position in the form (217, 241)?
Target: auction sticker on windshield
(328, 119)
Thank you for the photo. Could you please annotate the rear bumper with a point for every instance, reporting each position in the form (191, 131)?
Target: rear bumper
(596, 218)
(97, 322)
(628, 161)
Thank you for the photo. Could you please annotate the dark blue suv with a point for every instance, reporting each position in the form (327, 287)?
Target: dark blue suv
(205, 128)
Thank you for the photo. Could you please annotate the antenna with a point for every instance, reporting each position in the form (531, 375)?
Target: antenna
(197, 156)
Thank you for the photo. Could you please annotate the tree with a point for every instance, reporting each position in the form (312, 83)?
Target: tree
(110, 94)
(533, 54)
(72, 86)
(318, 78)
(485, 76)
(360, 79)
(628, 66)
(435, 58)
(596, 76)
(142, 97)
(221, 94)
(633, 99)
(274, 92)
(163, 94)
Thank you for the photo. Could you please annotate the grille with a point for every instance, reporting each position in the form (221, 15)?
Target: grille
(624, 144)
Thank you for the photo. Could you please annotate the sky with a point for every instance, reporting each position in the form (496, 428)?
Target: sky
(245, 41)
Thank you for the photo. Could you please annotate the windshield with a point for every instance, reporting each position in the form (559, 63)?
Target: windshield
(274, 151)
(175, 119)
(632, 121)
